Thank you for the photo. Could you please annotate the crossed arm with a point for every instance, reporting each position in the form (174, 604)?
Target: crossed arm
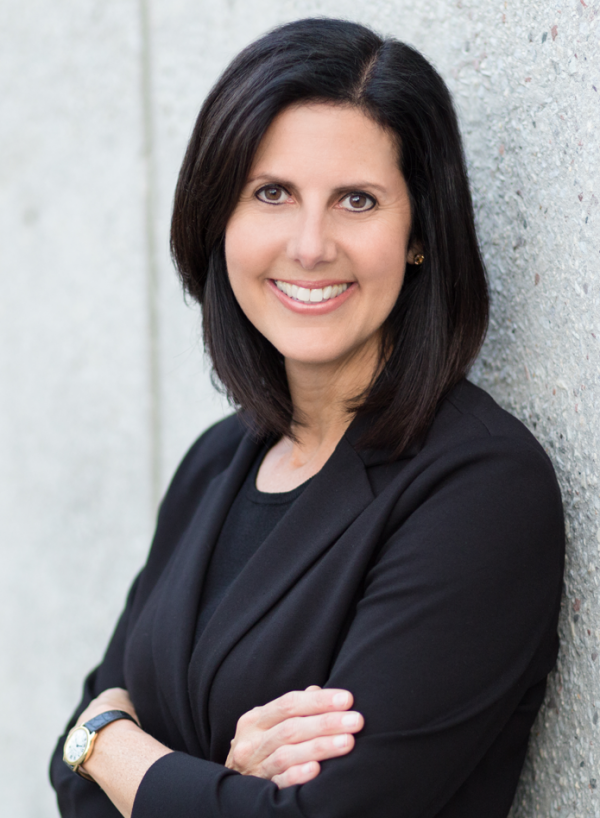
(283, 741)
(456, 625)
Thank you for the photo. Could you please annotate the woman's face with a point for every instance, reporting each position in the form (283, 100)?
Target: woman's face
(317, 245)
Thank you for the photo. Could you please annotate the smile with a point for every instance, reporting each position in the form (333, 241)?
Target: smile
(310, 296)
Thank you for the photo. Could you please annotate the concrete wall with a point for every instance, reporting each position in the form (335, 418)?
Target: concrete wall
(103, 384)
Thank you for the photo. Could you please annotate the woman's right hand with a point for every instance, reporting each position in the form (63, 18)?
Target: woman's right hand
(286, 739)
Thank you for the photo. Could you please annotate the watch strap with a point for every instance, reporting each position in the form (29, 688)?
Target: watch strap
(92, 727)
(98, 722)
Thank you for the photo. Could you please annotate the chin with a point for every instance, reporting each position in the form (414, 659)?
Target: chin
(321, 348)
(317, 356)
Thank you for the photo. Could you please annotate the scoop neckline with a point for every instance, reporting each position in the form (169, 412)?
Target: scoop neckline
(270, 497)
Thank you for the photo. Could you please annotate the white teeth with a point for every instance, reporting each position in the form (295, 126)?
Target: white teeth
(309, 296)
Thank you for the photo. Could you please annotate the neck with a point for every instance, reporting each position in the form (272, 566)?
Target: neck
(321, 393)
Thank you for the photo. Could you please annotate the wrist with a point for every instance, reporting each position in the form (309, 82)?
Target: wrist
(107, 740)
(81, 740)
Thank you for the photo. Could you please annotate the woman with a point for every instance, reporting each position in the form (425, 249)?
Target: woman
(370, 528)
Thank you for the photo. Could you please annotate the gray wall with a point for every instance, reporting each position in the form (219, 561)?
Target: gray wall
(103, 383)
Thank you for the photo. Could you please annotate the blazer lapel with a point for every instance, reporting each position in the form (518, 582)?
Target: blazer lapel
(331, 502)
(179, 590)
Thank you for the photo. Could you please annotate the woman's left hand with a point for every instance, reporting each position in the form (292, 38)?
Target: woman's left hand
(115, 698)
(286, 739)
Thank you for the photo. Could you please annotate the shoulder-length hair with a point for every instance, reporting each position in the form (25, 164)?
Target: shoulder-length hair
(439, 321)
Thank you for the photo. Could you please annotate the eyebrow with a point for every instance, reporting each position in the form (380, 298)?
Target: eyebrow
(276, 180)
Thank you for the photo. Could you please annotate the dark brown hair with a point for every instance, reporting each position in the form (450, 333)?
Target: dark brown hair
(439, 321)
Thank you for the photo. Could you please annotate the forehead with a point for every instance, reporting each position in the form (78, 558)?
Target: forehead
(325, 135)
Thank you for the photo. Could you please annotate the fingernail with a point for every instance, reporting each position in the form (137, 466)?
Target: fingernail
(350, 719)
(307, 768)
(340, 741)
(341, 699)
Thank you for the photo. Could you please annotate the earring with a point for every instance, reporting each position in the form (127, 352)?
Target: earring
(419, 259)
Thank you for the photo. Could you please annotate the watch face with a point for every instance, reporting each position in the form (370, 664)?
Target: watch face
(76, 745)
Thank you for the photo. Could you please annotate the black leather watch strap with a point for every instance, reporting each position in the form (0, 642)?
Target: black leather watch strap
(98, 722)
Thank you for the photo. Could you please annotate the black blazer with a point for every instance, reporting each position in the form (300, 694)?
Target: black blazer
(429, 586)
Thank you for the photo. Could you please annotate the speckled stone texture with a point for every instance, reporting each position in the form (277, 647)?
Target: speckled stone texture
(103, 383)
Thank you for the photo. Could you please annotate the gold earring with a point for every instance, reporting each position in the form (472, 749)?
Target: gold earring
(419, 259)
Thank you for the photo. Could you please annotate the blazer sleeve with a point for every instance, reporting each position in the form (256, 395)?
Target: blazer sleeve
(457, 621)
(76, 796)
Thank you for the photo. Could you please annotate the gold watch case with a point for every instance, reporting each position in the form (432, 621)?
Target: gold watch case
(75, 763)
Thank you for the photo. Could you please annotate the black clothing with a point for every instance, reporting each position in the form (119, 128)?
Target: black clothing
(428, 586)
(251, 518)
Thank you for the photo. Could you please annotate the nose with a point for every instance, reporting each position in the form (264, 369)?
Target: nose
(311, 242)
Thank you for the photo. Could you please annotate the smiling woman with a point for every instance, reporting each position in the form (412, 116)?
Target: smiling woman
(369, 528)
(316, 250)
(343, 210)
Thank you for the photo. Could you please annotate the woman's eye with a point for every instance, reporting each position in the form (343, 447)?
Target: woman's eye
(358, 202)
(272, 194)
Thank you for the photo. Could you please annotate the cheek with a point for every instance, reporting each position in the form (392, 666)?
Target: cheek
(235, 257)
(246, 262)
(383, 262)
(239, 258)
(248, 250)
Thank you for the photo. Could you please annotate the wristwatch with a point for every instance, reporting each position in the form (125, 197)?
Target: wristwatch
(80, 741)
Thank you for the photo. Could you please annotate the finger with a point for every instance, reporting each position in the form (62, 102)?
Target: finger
(311, 688)
(306, 728)
(318, 749)
(299, 774)
(249, 753)
(303, 703)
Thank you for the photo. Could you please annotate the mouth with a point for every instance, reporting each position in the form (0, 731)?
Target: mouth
(311, 295)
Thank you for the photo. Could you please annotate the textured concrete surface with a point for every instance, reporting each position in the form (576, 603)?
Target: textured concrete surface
(103, 385)
(75, 498)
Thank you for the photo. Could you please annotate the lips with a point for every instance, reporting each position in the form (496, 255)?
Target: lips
(311, 300)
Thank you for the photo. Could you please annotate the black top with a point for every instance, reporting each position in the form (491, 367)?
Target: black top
(250, 520)
(429, 586)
